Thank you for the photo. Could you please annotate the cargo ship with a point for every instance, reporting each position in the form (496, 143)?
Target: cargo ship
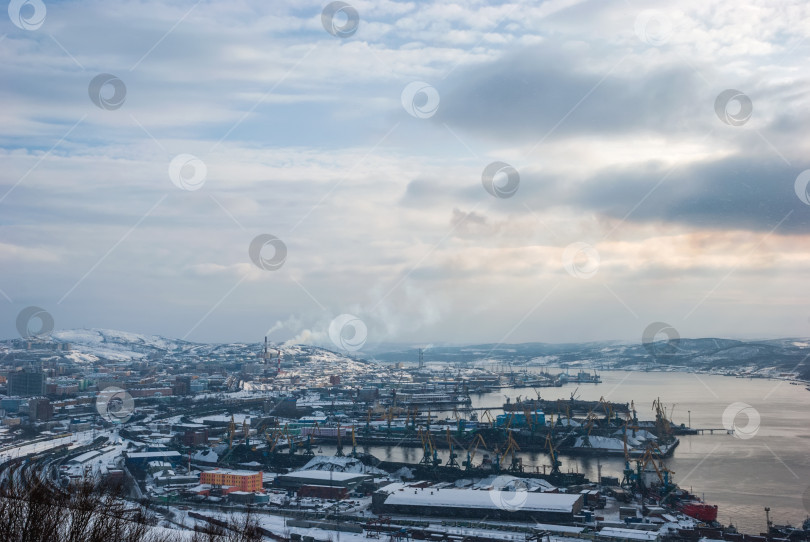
(780, 533)
(433, 399)
(561, 406)
(698, 510)
(789, 532)
(582, 377)
(604, 446)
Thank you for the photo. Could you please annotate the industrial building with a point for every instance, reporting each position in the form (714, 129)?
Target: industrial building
(245, 497)
(322, 484)
(242, 480)
(418, 500)
(83, 458)
(192, 434)
(295, 480)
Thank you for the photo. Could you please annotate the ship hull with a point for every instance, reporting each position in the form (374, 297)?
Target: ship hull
(700, 511)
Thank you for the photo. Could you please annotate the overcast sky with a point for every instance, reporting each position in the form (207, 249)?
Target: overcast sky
(633, 188)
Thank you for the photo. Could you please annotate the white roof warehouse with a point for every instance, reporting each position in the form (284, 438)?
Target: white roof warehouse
(297, 479)
(512, 505)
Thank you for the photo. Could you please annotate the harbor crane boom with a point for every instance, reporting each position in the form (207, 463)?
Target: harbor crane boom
(555, 463)
(468, 464)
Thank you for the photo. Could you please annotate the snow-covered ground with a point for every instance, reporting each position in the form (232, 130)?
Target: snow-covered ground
(98, 465)
(278, 524)
(77, 439)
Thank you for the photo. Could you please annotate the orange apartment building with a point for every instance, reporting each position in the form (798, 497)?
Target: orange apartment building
(239, 480)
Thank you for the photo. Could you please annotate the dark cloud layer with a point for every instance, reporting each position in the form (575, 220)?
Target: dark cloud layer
(738, 192)
(525, 95)
(734, 193)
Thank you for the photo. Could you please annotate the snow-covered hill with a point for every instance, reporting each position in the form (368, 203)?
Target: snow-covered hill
(91, 345)
(704, 354)
(115, 345)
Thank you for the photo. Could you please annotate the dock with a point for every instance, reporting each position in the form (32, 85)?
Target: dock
(711, 430)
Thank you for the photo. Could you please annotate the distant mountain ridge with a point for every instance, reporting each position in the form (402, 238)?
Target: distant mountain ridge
(90, 345)
(704, 354)
(788, 355)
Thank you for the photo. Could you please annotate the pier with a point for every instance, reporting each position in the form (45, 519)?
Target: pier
(711, 430)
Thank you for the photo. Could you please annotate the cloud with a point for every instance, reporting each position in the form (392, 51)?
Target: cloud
(384, 215)
(734, 193)
(528, 94)
(12, 253)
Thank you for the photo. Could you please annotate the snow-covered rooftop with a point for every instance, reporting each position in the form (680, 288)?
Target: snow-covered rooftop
(235, 472)
(323, 475)
(145, 455)
(404, 494)
(628, 534)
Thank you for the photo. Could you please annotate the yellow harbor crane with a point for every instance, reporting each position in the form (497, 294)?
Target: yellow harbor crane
(662, 424)
(272, 439)
(430, 457)
(468, 464)
(354, 444)
(516, 464)
(608, 408)
(452, 461)
(552, 453)
(339, 452)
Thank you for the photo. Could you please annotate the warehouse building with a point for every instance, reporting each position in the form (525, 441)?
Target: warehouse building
(138, 462)
(414, 499)
(322, 484)
(294, 480)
